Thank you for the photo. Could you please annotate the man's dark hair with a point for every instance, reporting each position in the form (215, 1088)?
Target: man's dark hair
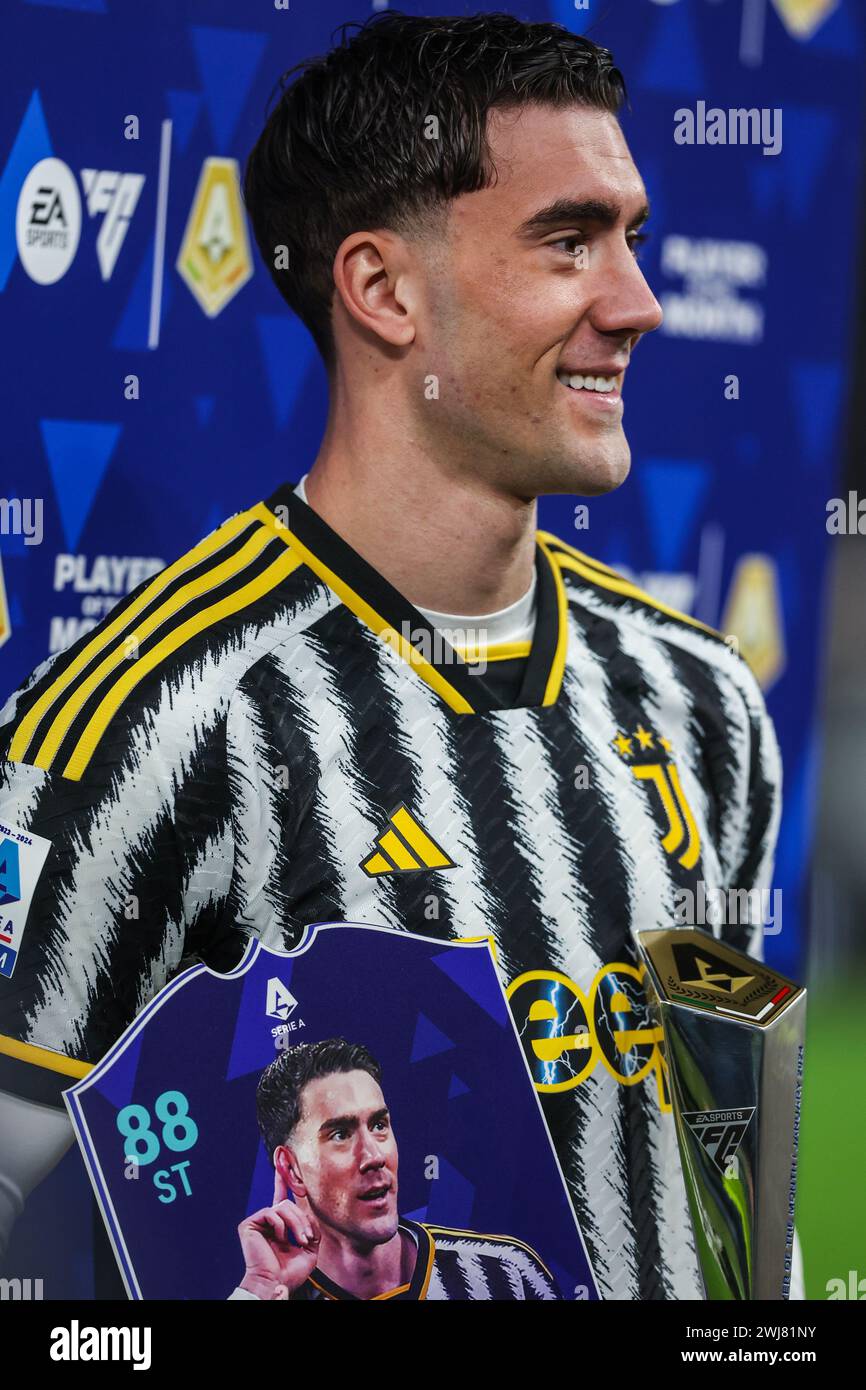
(278, 1094)
(345, 150)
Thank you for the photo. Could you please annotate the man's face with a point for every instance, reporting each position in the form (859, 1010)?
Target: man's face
(508, 313)
(347, 1155)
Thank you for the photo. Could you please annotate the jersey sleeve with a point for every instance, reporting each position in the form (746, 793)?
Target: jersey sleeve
(111, 871)
(538, 1282)
(757, 812)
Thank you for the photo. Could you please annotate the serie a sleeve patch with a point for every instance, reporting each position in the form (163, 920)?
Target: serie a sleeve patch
(22, 859)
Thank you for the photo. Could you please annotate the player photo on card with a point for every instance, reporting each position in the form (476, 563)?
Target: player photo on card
(351, 1120)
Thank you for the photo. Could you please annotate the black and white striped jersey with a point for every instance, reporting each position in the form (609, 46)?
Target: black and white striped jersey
(455, 1265)
(266, 734)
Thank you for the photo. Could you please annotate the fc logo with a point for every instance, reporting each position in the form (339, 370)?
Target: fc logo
(720, 1133)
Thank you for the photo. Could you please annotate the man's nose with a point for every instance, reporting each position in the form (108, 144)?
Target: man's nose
(623, 302)
(370, 1153)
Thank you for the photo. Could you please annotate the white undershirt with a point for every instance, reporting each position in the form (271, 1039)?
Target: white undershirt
(516, 623)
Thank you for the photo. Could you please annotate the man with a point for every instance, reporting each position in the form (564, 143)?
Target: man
(327, 1128)
(295, 737)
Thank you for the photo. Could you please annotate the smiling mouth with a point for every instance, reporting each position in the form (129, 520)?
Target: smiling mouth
(604, 385)
(375, 1194)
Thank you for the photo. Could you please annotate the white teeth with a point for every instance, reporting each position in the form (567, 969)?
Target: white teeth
(587, 383)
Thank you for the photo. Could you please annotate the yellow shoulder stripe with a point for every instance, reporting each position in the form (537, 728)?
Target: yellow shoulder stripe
(105, 635)
(121, 655)
(617, 585)
(137, 670)
(44, 1057)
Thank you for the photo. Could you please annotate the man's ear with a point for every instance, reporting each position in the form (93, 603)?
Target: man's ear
(288, 1166)
(373, 283)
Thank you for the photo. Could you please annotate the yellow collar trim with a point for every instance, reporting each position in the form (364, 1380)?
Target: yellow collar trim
(368, 615)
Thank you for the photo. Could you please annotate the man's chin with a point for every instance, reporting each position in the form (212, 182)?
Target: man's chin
(378, 1233)
(605, 479)
(586, 475)
(379, 1229)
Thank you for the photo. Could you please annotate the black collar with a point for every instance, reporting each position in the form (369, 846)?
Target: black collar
(389, 614)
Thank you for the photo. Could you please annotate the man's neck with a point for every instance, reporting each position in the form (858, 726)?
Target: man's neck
(445, 542)
(371, 1270)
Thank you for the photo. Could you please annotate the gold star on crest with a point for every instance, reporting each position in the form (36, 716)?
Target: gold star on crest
(622, 745)
(643, 736)
(666, 744)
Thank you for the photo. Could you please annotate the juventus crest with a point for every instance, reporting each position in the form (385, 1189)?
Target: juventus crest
(644, 751)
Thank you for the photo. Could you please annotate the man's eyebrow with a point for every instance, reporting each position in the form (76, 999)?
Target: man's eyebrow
(567, 212)
(339, 1122)
(351, 1121)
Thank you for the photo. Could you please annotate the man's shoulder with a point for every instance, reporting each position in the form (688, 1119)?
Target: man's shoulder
(468, 1242)
(585, 576)
(618, 600)
(178, 645)
(480, 1265)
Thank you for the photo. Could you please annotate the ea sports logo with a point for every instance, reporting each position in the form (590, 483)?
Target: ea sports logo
(720, 1133)
(48, 221)
(281, 1003)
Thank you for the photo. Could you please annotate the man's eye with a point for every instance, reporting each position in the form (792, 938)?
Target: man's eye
(570, 244)
(575, 245)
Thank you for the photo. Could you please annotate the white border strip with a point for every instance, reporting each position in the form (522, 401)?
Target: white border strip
(159, 238)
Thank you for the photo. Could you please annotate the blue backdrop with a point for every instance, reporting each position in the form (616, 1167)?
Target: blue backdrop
(155, 382)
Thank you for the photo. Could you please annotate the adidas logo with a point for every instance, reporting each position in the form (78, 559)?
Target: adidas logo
(404, 847)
